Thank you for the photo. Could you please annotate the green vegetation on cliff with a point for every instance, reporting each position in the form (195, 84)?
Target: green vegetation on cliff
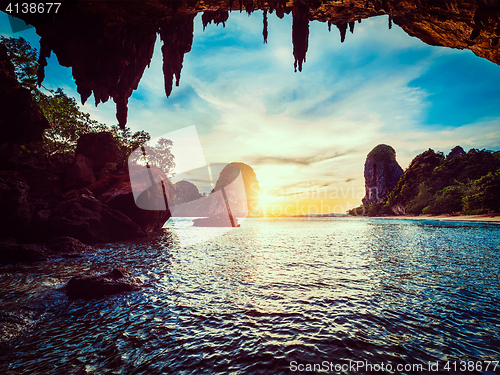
(67, 120)
(433, 184)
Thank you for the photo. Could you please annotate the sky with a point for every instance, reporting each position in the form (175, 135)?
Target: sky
(306, 134)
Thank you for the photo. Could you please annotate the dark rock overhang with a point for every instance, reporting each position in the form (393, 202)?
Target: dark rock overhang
(108, 44)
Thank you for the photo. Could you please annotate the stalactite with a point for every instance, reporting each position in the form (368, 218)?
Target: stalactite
(249, 6)
(390, 22)
(241, 5)
(342, 28)
(177, 36)
(279, 6)
(329, 26)
(264, 21)
(217, 16)
(300, 34)
(231, 5)
(351, 27)
(84, 92)
(121, 110)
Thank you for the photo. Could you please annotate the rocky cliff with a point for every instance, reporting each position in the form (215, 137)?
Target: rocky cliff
(108, 43)
(21, 120)
(243, 199)
(382, 173)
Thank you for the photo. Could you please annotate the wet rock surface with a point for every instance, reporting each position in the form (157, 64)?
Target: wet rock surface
(89, 286)
(67, 246)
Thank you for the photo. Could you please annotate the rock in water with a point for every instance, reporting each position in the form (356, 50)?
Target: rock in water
(97, 286)
(222, 220)
(382, 173)
(67, 246)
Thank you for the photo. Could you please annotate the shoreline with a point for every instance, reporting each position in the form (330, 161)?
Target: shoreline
(484, 218)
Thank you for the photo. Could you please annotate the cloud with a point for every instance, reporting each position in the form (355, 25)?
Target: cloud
(304, 161)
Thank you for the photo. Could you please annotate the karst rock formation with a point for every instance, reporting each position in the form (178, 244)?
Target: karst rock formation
(108, 44)
(382, 173)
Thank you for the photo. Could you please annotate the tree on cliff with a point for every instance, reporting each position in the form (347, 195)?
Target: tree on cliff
(158, 155)
(67, 120)
(461, 183)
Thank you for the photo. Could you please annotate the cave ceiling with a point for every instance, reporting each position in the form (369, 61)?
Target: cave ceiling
(108, 44)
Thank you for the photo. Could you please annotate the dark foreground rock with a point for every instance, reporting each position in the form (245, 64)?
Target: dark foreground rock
(222, 220)
(67, 246)
(90, 221)
(97, 286)
(12, 252)
(15, 208)
(120, 196)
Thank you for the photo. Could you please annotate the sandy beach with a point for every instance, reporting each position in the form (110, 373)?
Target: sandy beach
(490, 218)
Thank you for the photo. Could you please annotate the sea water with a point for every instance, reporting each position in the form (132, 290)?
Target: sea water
(276, 295)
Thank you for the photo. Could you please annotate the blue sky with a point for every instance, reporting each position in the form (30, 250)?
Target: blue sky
(310, 131)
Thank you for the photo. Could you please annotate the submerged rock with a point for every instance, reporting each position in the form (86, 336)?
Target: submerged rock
(382, 173)
(89, 286)
(222, 220)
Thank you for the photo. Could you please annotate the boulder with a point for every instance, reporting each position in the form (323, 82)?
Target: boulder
(120, 196)
(80, 173)
(221, 220)
(89, 286)
(90, 221)
(100, 148)
(16, 213)
(67, 246)
(382, 173)
(12, 252)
